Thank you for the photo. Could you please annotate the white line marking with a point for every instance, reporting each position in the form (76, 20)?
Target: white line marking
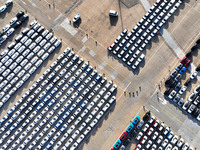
(59, 16)
(145, 4)
(82, 49)
(84, 39)
(65, 24)
(123, 92)
(155, 108)
(103, 64)
(23, 2)
(114, 75)
(34, 5)
(91, 52)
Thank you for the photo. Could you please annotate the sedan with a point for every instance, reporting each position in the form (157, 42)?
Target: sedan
(159, 139)
(193, 75)
(197, 89)
(13, 20)
(149, 143)
(180, 142)
(6, 28)
(182, 90)
(123, 136)
(76, 18)
(178, 77)
(19, 14)
(24, 17)
(172, 94)
(10, 31)
(3, 8)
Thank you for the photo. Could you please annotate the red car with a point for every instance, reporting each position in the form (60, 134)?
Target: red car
(123, 136)
(112, 149)
(184, 60)
(188, 63)
(111, 46)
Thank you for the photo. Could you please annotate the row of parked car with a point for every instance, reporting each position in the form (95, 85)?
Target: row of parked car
(151, 134)
(129, 47)
(9, 29)
(23, 57)
(175, 89)
(124, 139)
(156, 135)
(60, 109)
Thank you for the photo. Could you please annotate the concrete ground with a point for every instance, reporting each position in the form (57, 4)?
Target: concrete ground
(90, 37)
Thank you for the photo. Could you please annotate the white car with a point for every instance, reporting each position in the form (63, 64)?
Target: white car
(58, 42)
(174, 139)
(76, 18)
(10, 31)
(185, 146)
(3, 8)
(5, 28)
(13, 20)
(159, 139)
(164, 143)
(180, 142)
(3, 38)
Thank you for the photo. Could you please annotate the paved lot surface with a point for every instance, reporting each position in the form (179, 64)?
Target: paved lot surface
(160, 58)
(173, 116)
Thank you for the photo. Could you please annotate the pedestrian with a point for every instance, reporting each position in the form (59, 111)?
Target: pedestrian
(49, 5)
(140, 88)
(96, 43)
(125, 93)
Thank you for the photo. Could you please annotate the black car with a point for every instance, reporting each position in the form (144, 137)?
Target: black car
(19, 14)
(167, 92)
(198, 68)
(173, 84)
(198, 41)
(187, 82)
(194, 48)
(169, 81)
(178, 86)
(24, 17)
(196, 112)
(146, 116)
(17, 24)
(189, 54)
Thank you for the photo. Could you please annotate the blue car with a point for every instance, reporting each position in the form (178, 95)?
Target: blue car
(182, 70)
(136, 120)
(54, 91)
(129, 128)
(117, 144)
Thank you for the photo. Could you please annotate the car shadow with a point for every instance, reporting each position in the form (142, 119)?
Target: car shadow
(77, 23)
(113, 20)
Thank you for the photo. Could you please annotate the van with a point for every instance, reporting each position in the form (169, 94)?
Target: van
(113, 13)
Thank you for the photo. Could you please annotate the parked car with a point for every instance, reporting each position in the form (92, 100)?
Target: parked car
(113, 13)
(2, 8)
(20, 14)
(76, 18)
